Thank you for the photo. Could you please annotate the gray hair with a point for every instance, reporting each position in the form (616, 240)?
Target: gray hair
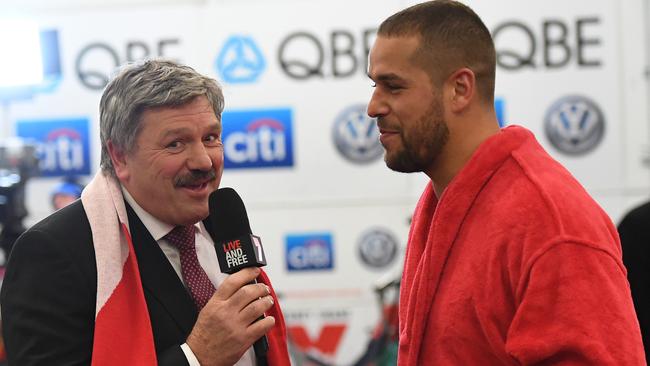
(143, 85)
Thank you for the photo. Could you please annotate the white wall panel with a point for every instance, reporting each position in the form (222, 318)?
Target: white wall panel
(323, 192)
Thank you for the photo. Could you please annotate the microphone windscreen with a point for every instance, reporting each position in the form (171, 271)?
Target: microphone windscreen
(228, 215)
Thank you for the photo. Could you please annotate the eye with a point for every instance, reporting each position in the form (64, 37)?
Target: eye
(212, 139)
(389, 86)
(393, 87)
(174, 145)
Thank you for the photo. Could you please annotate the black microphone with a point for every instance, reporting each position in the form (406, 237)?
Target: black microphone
(236, 246)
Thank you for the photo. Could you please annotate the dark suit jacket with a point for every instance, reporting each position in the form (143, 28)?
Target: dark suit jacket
(50, 286)
(635, 242)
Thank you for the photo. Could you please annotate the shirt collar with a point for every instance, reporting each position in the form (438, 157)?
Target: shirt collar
(158, 229)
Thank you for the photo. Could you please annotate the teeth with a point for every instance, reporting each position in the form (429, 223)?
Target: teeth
(195, 186)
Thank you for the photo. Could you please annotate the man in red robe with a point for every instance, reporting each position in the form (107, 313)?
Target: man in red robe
(509, 260)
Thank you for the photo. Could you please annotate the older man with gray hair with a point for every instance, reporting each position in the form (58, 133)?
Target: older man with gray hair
(128, 275)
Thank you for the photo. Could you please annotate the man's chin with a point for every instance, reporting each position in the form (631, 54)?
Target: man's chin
(191, 220)
(194, 215)
(400, 165)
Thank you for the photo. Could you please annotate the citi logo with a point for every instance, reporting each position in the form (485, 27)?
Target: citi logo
(62, 145)
(307, 252)
(64, 149)
(257, 139)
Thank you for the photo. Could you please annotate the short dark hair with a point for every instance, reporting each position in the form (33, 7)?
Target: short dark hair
(452, 36)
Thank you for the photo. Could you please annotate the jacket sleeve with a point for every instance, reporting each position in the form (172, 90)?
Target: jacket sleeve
(575, 308)
(173, 356)
(48, 304)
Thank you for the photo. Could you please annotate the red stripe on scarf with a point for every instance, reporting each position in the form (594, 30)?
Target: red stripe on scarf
(278, 354)
(123, 334)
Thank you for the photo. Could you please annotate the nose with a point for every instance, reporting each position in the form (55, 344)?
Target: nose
(199, 158)
(376, 106)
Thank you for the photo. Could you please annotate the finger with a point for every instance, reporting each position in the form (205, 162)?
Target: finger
(248, 294)
(236, 281)
(255, 309)
(260, 327)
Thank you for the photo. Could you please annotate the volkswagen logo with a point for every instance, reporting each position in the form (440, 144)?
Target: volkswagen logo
(377, 248)
(574, 125)
(240, 60)
(356, 135)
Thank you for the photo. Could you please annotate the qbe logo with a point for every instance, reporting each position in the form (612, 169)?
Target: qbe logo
(62, 145)
(307, 252)
(257, 138)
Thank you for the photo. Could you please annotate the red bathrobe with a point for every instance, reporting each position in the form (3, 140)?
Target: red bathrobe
(515, 265)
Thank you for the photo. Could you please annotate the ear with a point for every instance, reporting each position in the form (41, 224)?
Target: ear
(462, 85)
(118, 158)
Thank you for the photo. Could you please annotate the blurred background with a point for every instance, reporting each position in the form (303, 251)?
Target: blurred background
(299, 147)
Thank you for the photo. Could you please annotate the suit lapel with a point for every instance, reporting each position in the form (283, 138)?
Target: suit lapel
(159, 277)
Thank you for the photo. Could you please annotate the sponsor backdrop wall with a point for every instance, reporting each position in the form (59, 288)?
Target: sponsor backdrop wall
(299, 147)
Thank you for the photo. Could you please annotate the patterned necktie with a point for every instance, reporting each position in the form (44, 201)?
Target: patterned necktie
(201, 289)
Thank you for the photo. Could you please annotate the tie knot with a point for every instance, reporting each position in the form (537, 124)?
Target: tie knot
(182, 237)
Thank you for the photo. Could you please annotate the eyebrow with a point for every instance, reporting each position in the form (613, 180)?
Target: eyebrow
(387, 77)
(213, 127)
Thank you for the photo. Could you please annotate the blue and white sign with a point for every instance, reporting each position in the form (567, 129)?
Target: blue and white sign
(62, 145)
(50, 68)
(309, 252)
(499, 108)
(356, 135)
(574, 125)
(257, 138)
(240, 60)
(377, 248)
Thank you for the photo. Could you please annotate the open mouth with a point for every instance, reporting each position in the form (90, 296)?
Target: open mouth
(384, 130)
(196, 187)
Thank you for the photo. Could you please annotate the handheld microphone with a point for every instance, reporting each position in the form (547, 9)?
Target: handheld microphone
(236, 246)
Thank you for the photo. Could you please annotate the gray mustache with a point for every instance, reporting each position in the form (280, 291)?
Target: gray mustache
(195, 177)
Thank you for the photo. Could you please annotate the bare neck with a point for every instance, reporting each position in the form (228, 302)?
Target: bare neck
(466, 134)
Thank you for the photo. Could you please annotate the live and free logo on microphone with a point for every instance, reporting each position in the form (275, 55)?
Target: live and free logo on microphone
(242, 252)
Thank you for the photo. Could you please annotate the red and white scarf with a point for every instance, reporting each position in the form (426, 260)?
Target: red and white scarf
(121, 308)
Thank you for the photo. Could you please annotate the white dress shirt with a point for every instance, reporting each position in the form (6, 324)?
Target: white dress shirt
(207, 259)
